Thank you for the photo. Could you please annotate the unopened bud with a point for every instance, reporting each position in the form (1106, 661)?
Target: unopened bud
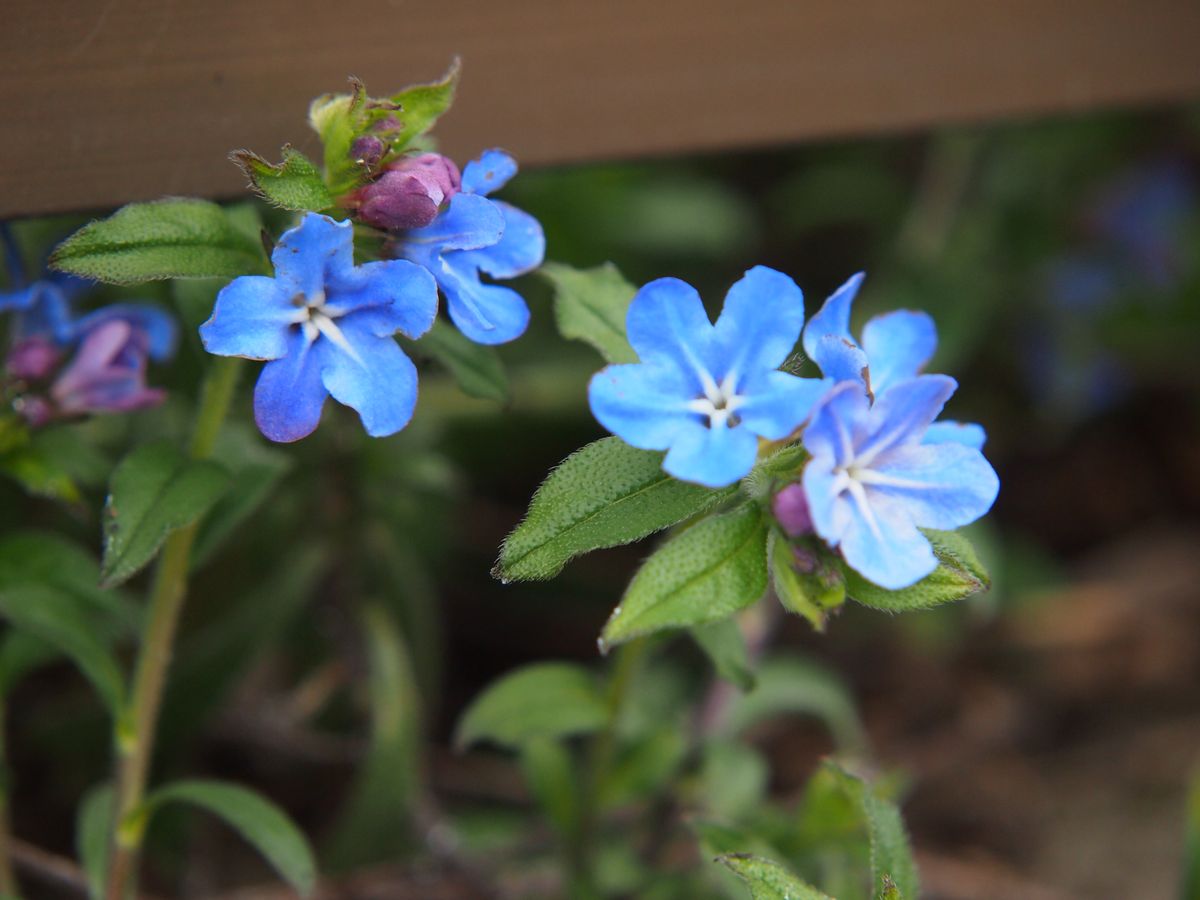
(790, 507)
(408, 194)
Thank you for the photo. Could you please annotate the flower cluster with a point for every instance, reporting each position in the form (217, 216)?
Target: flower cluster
(879, 466)
(60, 366)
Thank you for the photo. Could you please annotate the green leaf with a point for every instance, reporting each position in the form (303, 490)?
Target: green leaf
(260, 822)
(794, 686)
(38, 474)
(644, 767)
(257, 469)
(769, 880)
(808, 594)
(959, 574)
(710, 571)
(725, 646)
(1190, 889)
(550, 773)
(154, 491)
(590, 305)
(175, 238)
(537, 701)
(893, 871)
(56, 619)
(92, 825)
(604, 495)
(294, 184)
(733, 779)
(476, 367)
(420, 106)
(375, 824)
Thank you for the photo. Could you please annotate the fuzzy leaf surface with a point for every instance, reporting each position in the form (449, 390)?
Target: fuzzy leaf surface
(294, 184)
(893, 871)
(590, 305)
(603, 495)
(769, 880)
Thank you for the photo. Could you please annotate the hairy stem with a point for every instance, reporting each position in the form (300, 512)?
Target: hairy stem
(135, 728)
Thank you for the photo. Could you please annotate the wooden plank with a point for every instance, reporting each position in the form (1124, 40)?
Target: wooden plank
(105, 102)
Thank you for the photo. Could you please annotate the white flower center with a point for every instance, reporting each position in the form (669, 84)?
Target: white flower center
(315, 316)
(719, 403)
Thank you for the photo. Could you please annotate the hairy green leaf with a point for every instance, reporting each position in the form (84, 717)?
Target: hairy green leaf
(604, 495)
(93, 821)
(154, 491)
(540, 700)
(260, 822)
(810, 594)
(294, 184)
(477, 368)
(769, 880)
(959, 574)
(710, 571)
(57, 619)
(725, 646)
(590, 305)
(893, 871)
(174, 238)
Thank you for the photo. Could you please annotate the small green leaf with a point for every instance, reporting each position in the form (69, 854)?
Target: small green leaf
(552, 779)
(420, 106)
(769, 880)
(175, 238)
(540, 700)
(92, 825)
(476, 367)
(959, 574)
(590, 305)
(604, 495)
(710, 571)
(808, 594)
(892, 866)
(796, 686)
(57, 619)
(294, 184)
(260, 822)
(733, 779)
(153, 491)
(725, 646)
(39, 474)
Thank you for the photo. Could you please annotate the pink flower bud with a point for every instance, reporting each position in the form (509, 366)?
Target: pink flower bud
(408, 194)
(791, 510)
(107, 373)
(33, 358)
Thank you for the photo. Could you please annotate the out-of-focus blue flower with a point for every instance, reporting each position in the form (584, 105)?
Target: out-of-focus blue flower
(476, 235)
(325, 327)
(873, 480)
(895, 347)
(41, 307)
(705, 392)
(108, 371)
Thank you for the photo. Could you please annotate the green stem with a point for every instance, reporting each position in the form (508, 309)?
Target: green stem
(135, 729)
(600, 759)
(8, 881)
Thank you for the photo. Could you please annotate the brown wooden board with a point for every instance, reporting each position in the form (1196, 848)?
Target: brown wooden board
(107, 101)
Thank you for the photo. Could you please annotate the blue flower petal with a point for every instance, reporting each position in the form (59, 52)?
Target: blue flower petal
(841, 359)
(948, 431)
(759, 324)
(378, 380)
(521, 248)
(485, 313)
(898, 344)
(251, 318)
(839, 424)
(777, 403)
(833, 317)
(940, 485)
(289, 395)
(666, 324)
(306, 254)
(468, 223)
(902, 413)
(644, 405)
(158, 325)
(390, 296)
(489, 173)
(883, 545)
(20, 300)
(713, 457)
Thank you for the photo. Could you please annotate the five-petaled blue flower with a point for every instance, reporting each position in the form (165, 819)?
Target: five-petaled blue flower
(895, 347)
(325, 326)
(473, 235)
(704, 392)
(873, 480)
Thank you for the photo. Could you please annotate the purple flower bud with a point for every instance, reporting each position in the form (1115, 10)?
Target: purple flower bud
(408, 194)
(367, 151)
(33, 358)
(107, 373)
(791, 510)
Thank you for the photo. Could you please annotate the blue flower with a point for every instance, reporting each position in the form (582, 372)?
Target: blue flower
(704, 392)
(873, 480)
(41, 308)
(325, 327)
(895, 347)
(476, 235)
